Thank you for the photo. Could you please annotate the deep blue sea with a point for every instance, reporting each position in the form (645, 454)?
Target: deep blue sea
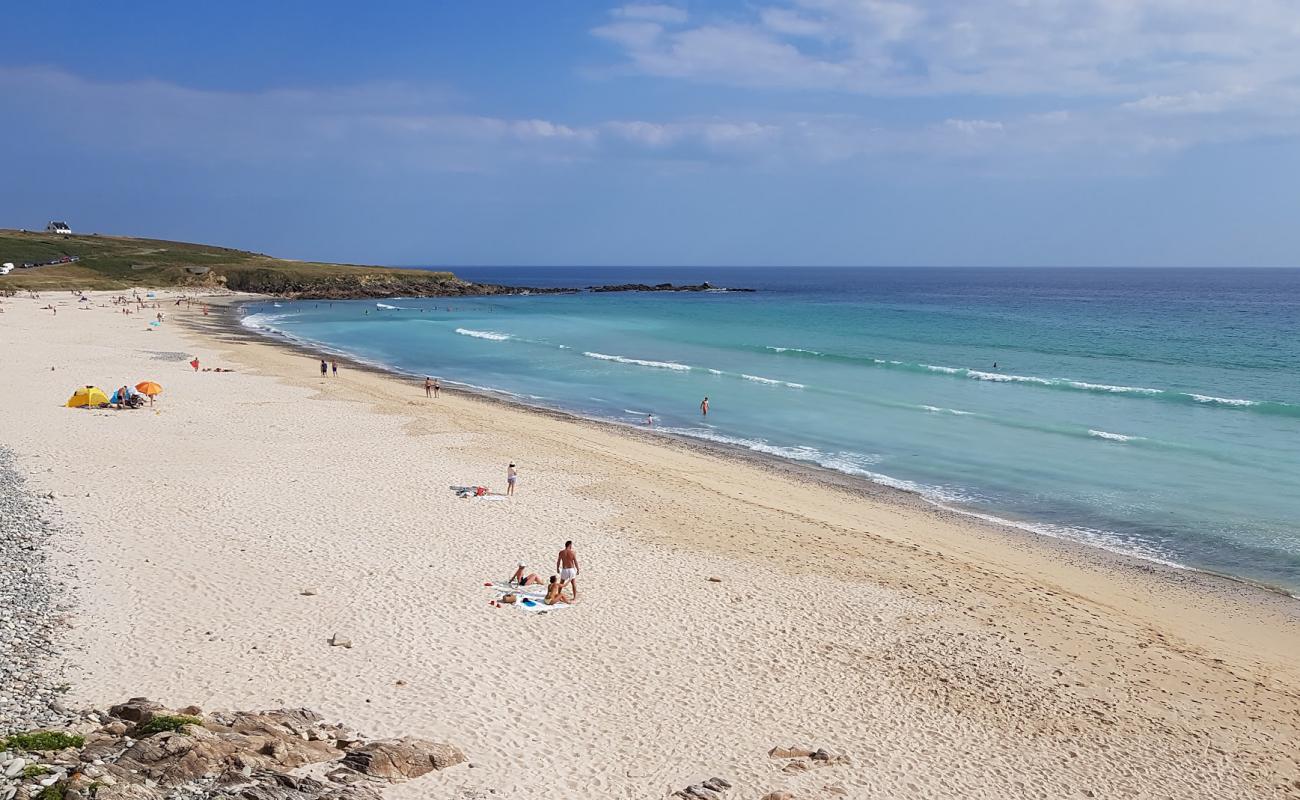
(1154, 412)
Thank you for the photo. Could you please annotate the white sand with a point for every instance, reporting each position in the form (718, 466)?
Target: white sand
(944, 657)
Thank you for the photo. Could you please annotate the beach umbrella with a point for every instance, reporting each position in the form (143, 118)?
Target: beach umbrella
(87, 397)
(148, 388)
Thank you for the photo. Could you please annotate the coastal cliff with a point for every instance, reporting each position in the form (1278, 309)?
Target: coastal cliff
(55, 262)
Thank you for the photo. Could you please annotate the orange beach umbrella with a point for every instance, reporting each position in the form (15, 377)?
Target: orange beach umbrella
(148, 387)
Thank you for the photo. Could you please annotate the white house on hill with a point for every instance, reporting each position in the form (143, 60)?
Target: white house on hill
(58, 227)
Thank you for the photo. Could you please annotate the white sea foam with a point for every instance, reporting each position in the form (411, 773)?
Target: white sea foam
(386, 307)
(493, 335)
(771, 381)
(933, 368)
(640, 362)
(1104, 387)
(998, 377)
(713, 371)
(1222, 401)
(1114, 437)
(792, 350)
(956, 411)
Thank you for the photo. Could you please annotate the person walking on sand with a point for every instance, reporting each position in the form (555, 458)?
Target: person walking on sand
(324, 368)
(334, 367)
(512, 475)
(566, 563)
(428, 387)
(195, 363)
(437, 387)
(704, 407)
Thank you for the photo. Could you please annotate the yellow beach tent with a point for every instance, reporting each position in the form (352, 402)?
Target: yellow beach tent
(86, 397)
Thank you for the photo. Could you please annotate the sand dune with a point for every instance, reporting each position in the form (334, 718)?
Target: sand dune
(943, 657)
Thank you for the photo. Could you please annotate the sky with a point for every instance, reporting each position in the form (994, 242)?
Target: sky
(753, 132)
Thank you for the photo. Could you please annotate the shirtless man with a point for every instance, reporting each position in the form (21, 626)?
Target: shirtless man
(567, 565)
(704, 407)
(428, 387)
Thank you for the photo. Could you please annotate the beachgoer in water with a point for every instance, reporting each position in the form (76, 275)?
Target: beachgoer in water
(554, 592)
(566, 563)
(428, 387)
(650, 420)
(334, 366)
(324, 368)
(995, 365)
(704, 407)
(512, 475)
(520, 579)
(437, 387)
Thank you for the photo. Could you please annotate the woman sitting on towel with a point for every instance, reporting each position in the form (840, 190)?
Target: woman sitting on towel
(520, 579)
(555, 592)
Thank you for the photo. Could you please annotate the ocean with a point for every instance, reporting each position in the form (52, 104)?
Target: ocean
(1151, 412)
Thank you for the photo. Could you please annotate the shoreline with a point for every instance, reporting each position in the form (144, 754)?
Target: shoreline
(728, 606)
(229, 316)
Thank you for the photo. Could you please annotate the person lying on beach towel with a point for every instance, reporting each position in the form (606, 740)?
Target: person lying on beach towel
(520, 579)
(469, 491)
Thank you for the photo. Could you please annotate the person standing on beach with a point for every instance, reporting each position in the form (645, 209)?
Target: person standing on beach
(704, 407)
(324, 368)
(512, 475)
(567, 565)
(437, 387)
(334, 366)
(428, 387)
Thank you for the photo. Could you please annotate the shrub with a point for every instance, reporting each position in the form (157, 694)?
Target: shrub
(42, 740)
(166, 722)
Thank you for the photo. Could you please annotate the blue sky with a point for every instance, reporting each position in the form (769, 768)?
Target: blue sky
(782, 132)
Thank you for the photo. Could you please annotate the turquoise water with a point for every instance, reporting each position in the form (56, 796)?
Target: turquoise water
(1150, 412)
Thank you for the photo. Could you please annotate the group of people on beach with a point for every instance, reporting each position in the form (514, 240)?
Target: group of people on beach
(325, 368)
(567, 570)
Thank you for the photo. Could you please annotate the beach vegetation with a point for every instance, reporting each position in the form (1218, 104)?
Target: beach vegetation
(52, 792)
(35, 770)
(42, 740)
(167, 722)
(120, 262)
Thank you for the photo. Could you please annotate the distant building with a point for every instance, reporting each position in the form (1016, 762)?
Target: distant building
(58, 227)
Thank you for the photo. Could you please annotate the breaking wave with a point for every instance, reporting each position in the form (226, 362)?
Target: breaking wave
(1113, 437)
(492, 335)
(1060, 384)
(772, 381)
(640, 362)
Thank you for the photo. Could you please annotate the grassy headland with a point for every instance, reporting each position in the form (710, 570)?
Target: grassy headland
(121, 262)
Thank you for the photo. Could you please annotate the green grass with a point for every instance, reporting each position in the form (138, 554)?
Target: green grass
(52, 792)
(42, 740)
(119, 262)
(166, 722)
(35, 770)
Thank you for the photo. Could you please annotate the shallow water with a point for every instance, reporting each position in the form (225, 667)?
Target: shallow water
(1151, 412)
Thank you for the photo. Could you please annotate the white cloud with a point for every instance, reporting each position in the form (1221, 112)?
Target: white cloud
(653, 12)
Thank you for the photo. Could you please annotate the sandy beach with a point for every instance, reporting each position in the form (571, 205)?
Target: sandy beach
(219, 539)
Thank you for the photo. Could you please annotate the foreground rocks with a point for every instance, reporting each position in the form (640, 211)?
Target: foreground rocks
(139, 750)
(31, 605)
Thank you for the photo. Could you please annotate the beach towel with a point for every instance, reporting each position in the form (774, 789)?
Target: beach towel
(528, 598)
